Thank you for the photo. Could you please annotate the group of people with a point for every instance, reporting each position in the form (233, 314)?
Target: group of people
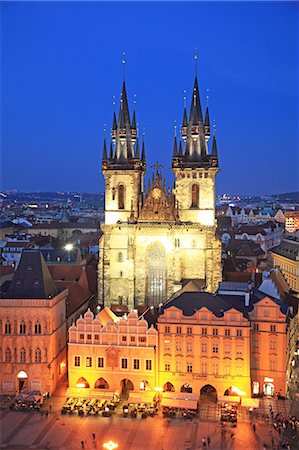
(88, 406)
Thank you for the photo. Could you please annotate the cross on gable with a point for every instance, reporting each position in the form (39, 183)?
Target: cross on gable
(157, 166)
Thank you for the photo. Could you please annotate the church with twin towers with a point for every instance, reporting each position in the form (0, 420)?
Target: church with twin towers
(157, 240)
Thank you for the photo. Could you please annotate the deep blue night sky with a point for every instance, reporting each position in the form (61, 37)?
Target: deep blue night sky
(61, 65)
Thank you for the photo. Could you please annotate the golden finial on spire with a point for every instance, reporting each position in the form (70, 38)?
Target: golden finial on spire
(195, 58)
(124, 65)
(207, 96)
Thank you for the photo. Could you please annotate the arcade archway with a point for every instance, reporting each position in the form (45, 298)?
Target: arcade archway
(82, 383)
(187, 388)
(101, 383)
(168, 387)
(22, 380)
(208, 393)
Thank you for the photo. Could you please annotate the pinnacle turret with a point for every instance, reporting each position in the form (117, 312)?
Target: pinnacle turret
(104, 157)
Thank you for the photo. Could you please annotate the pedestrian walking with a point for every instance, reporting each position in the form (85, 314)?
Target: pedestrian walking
(93, 436)
(82, 444)
(209, 441)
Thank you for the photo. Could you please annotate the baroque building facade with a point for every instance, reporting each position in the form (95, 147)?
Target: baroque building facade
(156, 239)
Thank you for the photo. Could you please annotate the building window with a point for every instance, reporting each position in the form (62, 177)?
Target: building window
(136, 364)
(204, 331)
(215, 368)
(256, 326)
(204, 368)
(124, 363)
(272, 345)
(195, 196)
(215, 348)
(23, 355)
(215, 332)
(7, 355)
(227, 369)
(142, 339)
(189, 330)
(272, 364)
(178, 330)
(239, 370)
(81, 336)
(239, 333)
(88, 361)
(124, 338)
(37, 328)
(227, 349)
(100, 362)
(7, 328)
(121, 197)
(38, 356)
(166, 329)
(204, 347)
(178, 366)
(273, 328)
(227, 332)
(189, 347)
(189, 367)
(167, 367)
(77, 361)
(178, 346)
(148, 364)
(22, 327)
(166, 346)
(239, 350)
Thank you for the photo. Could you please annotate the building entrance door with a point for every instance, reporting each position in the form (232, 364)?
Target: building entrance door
(22, 380)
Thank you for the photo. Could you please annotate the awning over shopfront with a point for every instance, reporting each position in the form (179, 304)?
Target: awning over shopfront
(179, 403)
(250, 402)
(228, 399)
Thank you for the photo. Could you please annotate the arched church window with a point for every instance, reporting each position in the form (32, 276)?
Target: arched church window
(195, 196)
(7, 328)
(37, 328)
(23, 355)
(156, 275)
(38, 356)
(7, 355)
(22, 327)
(121, 197)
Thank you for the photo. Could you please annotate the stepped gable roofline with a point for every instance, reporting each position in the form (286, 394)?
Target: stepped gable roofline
(32, 279)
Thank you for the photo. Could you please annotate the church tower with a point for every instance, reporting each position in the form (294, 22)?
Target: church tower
(194, 167)
(123, 168)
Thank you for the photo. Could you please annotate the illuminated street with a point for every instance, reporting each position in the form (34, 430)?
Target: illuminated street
(26, 430)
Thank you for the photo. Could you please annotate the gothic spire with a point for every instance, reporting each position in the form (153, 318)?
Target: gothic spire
(104, 157)
(175, 148)
(143, 152)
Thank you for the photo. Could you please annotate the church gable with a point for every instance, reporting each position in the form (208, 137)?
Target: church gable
(159, 206)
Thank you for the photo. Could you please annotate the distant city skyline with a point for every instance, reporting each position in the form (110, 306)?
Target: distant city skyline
(62, 67)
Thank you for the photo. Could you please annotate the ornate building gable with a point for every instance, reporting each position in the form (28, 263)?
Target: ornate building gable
(159, 205)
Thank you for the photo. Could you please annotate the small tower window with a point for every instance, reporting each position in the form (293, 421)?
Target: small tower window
(195, 196)
(121, 197)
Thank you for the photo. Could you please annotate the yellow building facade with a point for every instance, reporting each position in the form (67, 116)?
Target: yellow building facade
(119, 355)
(155, 239)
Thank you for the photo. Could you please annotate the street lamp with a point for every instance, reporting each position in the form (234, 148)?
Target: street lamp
(110, 445)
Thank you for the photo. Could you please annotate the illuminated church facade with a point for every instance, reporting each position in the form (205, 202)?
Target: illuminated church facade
(156, 239)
